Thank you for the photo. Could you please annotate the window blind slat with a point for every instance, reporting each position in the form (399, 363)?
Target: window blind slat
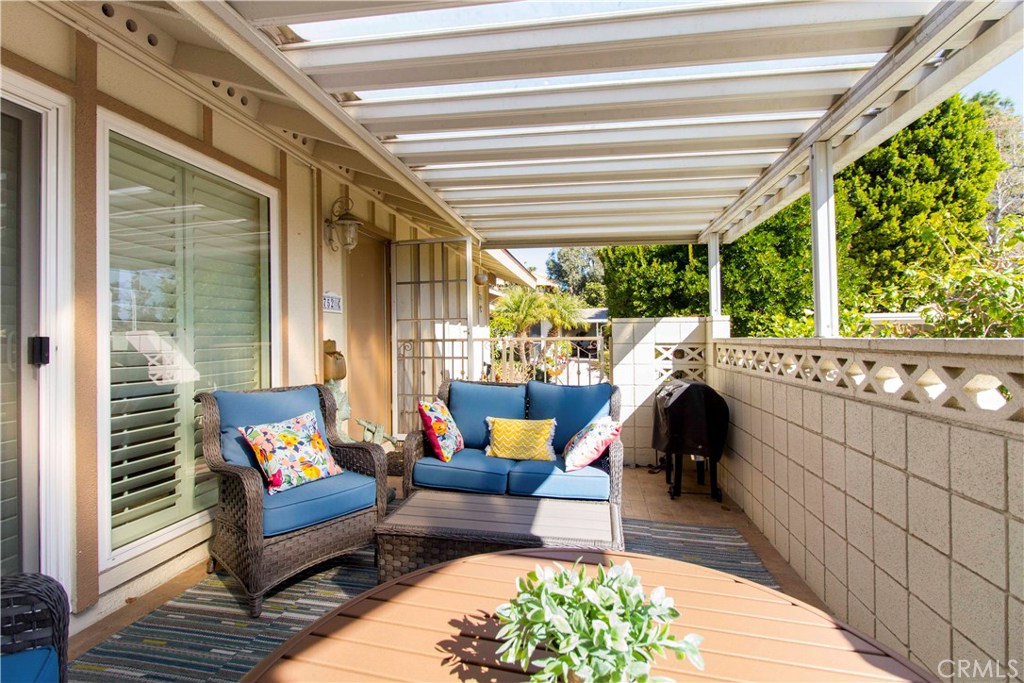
(189, 297)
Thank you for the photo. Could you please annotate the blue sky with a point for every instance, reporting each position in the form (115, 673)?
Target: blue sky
(1006, 78)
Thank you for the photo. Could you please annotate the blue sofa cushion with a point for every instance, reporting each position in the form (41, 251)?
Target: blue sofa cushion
(572, 407)
(317, 501)
(469, 470)
(471, 404)
(548, 479)
(239, 409)
(38, 665)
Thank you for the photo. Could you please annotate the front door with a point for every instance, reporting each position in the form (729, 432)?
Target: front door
(20, 203)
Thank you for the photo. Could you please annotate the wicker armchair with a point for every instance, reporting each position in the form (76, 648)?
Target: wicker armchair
(258, 561)
(33, 617)
(415, 447)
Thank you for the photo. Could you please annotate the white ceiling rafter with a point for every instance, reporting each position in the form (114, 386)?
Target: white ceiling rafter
(915, 49)
(552, 133)
(263, 13)
(622, 141)
(608, 207)
(610, 102)
(673, 37)
(224, 24)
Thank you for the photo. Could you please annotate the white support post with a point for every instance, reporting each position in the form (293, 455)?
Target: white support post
(823, 242)
(714, 276)
(471, 373)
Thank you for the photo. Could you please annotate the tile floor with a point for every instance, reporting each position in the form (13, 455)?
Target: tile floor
(645, 496)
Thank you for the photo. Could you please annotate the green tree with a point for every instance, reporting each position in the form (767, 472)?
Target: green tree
(655, 281)
(909, 207)
(576, 270)
(928, 181)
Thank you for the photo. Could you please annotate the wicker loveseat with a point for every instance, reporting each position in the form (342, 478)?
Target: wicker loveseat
(472, 471)
(261, 539)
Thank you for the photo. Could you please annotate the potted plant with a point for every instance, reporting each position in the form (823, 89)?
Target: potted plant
(599, 629)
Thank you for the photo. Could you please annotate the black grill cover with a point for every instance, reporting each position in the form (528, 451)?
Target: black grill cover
(690, 418)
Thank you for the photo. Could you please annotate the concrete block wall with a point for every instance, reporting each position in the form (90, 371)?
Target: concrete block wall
(909, 525)
(646, 353)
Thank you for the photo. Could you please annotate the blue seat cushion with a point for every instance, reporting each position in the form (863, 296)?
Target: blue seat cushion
(317, 501)
(548, 479)
(240, 409)
(38, 665)
(471, 404)
(572, 407)
(469, 470)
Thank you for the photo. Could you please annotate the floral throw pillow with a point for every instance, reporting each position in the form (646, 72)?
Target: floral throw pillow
(521, 439)
(291, 452)
(441, 429)
(589, 443)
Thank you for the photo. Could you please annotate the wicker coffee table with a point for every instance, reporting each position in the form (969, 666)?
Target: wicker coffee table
(437, 526)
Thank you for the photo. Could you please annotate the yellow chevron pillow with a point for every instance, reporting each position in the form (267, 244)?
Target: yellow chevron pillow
(521, 439)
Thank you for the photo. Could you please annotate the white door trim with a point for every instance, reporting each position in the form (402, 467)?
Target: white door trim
(56, 308)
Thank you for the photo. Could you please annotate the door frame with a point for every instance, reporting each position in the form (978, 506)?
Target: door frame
(56, 321)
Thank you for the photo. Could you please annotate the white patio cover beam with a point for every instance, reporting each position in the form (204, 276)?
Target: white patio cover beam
(920, 44)
(612, 42)
(714, 278)
(591, 236)
(595, 208)
(708, 166)
(640, 222)
(701, 187)
(823, 242)
(674, 98)
(759, 134)
(265, 13)
(223, 24)
(997, 43)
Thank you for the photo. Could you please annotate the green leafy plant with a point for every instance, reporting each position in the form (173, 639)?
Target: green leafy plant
(599, 629)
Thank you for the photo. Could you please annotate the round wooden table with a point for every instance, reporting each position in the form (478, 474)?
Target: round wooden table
(435, 624)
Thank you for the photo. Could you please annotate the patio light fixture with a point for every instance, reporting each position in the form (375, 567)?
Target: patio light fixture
(341, 219)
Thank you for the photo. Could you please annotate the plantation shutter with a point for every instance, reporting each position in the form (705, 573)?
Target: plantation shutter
(229, 241)
(188, 282)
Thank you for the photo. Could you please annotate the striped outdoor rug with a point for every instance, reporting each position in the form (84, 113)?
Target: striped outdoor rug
(205, 634)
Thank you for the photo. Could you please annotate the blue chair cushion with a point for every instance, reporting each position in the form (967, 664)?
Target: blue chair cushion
(548, 479)
(317, 501)
(572, 407)
(239, 409)
(38, 665)
(469, 470)
(471, 404)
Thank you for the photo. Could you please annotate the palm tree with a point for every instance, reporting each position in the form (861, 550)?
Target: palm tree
(565, 312)
(521, 308)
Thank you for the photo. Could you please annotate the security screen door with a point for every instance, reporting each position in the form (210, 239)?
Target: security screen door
(21, 161)
(432, 321)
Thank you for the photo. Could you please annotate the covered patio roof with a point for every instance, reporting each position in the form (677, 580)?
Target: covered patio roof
(591, 123)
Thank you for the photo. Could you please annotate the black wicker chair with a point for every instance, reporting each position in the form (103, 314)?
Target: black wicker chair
(33, 618)
(261, 562)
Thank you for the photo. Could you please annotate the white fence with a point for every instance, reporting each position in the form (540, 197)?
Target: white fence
(571, 361)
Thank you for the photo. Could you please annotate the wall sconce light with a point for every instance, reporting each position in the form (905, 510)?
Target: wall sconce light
(341, 219)
(480, 279)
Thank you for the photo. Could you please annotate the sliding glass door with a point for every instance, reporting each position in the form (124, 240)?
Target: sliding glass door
(20, 168)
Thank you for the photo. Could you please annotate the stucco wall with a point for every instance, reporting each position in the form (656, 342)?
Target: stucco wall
(905, 516)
